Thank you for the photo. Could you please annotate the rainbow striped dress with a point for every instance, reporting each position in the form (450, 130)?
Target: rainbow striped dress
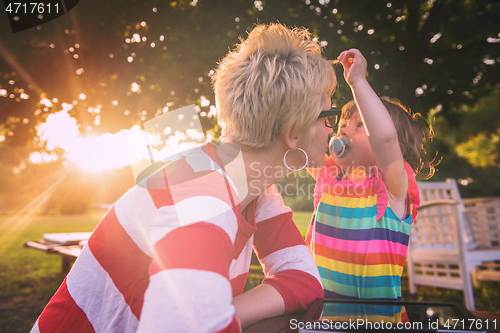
(357, 241)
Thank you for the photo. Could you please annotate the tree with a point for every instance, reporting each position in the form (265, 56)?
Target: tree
(119, 63)
(471, 151)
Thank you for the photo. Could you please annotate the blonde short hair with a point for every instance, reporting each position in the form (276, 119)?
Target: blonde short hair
(274, 80)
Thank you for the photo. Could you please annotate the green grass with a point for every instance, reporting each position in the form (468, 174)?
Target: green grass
(302, 221)
(29, 278)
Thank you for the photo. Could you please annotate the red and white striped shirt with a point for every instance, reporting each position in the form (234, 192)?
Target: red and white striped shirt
(170, 256)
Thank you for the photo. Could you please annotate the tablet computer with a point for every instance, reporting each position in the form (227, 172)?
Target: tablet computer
(336, 315)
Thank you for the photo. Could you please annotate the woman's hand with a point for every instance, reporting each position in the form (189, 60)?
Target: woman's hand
(354, 66)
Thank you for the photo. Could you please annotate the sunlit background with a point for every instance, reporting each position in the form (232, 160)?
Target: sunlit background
(81, 95)
(74, 91)
(112, 150)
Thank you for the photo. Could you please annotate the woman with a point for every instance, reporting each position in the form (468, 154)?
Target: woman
(173, 254)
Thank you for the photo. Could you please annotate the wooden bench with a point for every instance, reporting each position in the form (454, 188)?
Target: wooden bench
(68, 245)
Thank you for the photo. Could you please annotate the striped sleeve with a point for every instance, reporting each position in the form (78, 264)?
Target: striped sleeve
(189, 288)
(287, 262)
(103, 291)
(158, 261)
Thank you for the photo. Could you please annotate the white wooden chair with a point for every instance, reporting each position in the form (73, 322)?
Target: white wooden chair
(443, 251)
(483, 216)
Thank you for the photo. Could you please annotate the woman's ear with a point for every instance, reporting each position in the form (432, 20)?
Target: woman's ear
(291, 138)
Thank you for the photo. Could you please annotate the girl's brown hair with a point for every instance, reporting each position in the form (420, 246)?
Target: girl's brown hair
(414, 135)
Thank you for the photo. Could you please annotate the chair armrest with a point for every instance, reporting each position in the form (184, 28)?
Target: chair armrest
(432, 203)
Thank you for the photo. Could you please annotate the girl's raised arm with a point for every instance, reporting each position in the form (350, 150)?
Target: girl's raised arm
(378, 124)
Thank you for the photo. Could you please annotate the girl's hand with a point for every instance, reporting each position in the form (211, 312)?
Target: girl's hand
(354, 65)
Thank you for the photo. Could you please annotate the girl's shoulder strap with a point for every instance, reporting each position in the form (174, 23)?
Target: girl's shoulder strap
(413, 196)
(413, 193)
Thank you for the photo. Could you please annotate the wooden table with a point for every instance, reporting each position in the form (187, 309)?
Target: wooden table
(68, 245)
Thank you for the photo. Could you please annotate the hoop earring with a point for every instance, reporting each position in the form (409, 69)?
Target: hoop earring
(302, 167)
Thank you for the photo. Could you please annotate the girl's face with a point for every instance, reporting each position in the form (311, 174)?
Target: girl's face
(360, 159)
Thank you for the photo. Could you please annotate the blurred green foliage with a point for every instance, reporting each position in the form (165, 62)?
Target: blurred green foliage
(439, 55)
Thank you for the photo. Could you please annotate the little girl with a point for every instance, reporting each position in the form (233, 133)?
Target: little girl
(366, 194)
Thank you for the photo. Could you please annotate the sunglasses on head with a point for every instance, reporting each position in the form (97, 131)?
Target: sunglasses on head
(332, 117)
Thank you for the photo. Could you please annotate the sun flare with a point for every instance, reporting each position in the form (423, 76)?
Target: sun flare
(134, 146)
